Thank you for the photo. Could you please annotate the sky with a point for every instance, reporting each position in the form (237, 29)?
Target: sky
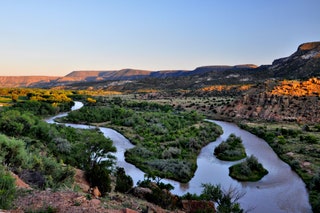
(56, 37)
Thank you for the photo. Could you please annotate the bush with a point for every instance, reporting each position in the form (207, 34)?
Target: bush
(160, 192)
(281, 139)
(311, 139)
(13, 152)
(55, 173)
(7, 189)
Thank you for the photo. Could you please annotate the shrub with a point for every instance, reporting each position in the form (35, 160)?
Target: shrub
(13, 152)
(160, 192)
(7, 189)
(55, 173)
(311, 139)
(63, 145)
(171, 152)
(281, 139)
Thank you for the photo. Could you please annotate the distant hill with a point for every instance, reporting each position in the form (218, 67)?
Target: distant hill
(302, 64)
(25, 81)
(134, 74)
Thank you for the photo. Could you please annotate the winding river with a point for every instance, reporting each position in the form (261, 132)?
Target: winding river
(281, 190)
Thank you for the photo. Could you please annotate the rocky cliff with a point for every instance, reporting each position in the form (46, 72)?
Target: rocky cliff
(304, 63)
(278, 101)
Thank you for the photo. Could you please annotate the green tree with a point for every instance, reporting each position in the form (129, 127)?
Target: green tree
(124, 182)
(99, 176)
(92, 153)
(94, 149)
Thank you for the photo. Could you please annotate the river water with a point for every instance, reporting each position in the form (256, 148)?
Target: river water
(281, 190)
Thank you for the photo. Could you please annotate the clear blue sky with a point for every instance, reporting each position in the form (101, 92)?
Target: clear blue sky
(55, 37)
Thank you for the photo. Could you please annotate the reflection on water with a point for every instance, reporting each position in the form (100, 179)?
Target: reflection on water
(281, 190)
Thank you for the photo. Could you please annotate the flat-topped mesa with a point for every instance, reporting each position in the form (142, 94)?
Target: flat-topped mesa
(245, 66)
(83, 73)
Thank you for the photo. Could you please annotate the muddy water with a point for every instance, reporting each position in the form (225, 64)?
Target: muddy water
(281, 190)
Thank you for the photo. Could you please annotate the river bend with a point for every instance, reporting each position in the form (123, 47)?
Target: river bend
(281, 190)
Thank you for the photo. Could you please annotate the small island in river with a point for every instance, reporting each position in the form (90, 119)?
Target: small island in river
(231, 149)
(248, 170)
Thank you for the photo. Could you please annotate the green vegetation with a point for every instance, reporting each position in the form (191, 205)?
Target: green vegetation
(167, 140)
(227, 200)
(297, 145)
(160, 192)
(7, 189)
(248, 170)
(231, 149)
(39, 102)
(124, 182)
(45, 155)
(40, 171)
